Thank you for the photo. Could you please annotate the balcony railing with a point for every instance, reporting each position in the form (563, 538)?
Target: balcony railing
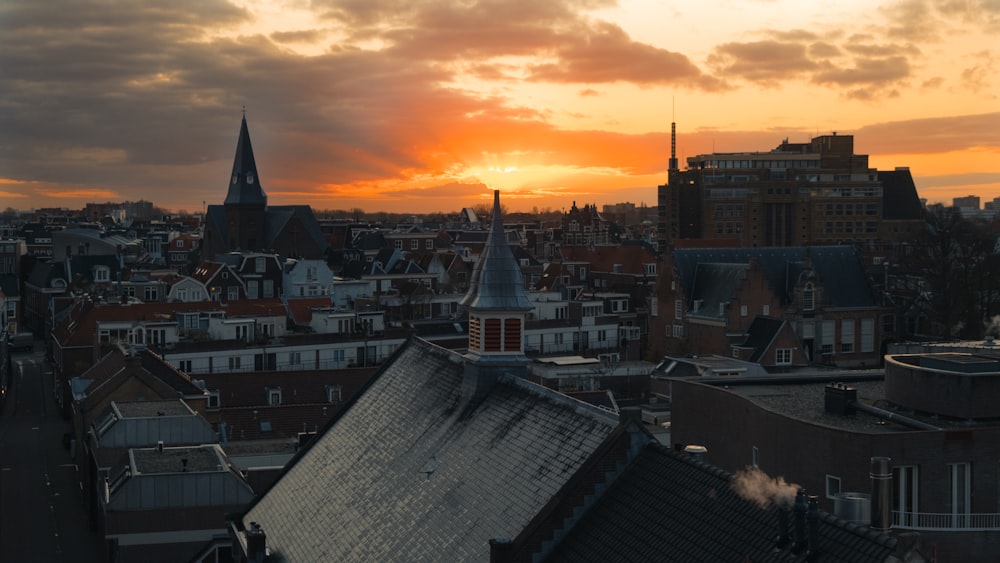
(945, 521)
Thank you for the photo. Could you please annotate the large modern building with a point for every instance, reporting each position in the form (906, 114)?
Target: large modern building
(797, 194)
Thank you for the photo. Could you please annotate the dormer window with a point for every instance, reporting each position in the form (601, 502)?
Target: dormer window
(808, 297)
(212, 400)
(102, 274)
(273, 396)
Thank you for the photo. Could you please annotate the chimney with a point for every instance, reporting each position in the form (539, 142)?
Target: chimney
(881, 476)
(696, 451)
(256, 544)
(799, 519)
(784, 534)
(812, 525)
(501, 550)
(159, 446)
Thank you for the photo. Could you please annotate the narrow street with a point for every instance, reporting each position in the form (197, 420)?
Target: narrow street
(42, 514)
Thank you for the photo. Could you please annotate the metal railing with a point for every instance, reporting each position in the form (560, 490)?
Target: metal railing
(945, 521)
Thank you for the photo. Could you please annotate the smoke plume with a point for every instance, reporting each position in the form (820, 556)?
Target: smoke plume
(759, 487)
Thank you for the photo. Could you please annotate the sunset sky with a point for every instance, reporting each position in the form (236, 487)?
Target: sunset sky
(423, 106)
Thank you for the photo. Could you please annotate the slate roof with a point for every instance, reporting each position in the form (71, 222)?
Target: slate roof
(415, 470)
(760, 334)
(715, 284)
(838, 268)
(496, 282)
(667, 506)
(244, 185)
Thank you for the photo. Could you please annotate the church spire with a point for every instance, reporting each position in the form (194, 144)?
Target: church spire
(244, 184)
(496, 301)
(496, 283)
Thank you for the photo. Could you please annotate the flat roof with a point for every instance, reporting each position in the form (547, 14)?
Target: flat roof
(144, 409)
(177, 460)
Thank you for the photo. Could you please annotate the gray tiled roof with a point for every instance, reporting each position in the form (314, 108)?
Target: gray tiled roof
(496, 282)
(414, 470)
(668, 507)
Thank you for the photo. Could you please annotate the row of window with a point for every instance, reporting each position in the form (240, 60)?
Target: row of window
(415, 244)
(850, 227)
(851, 209)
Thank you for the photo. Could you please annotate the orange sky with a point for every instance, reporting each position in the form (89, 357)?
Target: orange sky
(409, 105)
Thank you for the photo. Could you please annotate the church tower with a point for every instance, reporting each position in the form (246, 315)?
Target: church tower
(246, 202)
(497, 304)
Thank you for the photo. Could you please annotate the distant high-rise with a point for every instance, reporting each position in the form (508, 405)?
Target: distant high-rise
(244, 222)
(797, 194)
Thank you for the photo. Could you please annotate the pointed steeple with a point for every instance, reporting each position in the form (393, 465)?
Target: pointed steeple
(496, 283)
(497, 304)
(244, 184)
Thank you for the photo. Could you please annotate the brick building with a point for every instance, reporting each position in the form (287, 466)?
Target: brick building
(797, 194)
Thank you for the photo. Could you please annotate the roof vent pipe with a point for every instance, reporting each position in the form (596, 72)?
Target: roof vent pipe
(799, 520)
(881, 476)
(812, 523)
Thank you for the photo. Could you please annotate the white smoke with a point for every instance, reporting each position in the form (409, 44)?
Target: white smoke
(762, 489)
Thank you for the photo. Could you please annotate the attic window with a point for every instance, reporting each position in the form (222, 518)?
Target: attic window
(808, 297)
(212, 401)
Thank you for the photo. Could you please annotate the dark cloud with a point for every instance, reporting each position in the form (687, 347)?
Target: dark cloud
(768, 61)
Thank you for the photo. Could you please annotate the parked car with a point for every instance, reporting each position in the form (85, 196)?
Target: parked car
(21, 342)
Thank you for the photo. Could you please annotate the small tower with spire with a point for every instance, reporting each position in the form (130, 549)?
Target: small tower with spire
(497, 304)
(246, 202)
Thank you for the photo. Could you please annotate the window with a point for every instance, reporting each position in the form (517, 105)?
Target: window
(180, 243)
(783, 356)
(743, 310)
(867, 335)
(826, 337)
(602, 335)
(678, 309)
(650, 269)
(677, 331)
(295, 358)
(334, 393)
(243, 333)
(959, 494)
(233, 292)
(182, 294)
(832, 486)
(766, 310)
(904, 496)
(260, 264)
(429, 244)
(234, 363)
(338, 355)
(212, 401)
(184, 365)
(274, 396)
(847, 336)
(809, 297)
(268, 289)
(102, 274)
(414, 244)
(558, 338)
(252, 289)
(150, 293)
(755, 456)
(398, 244)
